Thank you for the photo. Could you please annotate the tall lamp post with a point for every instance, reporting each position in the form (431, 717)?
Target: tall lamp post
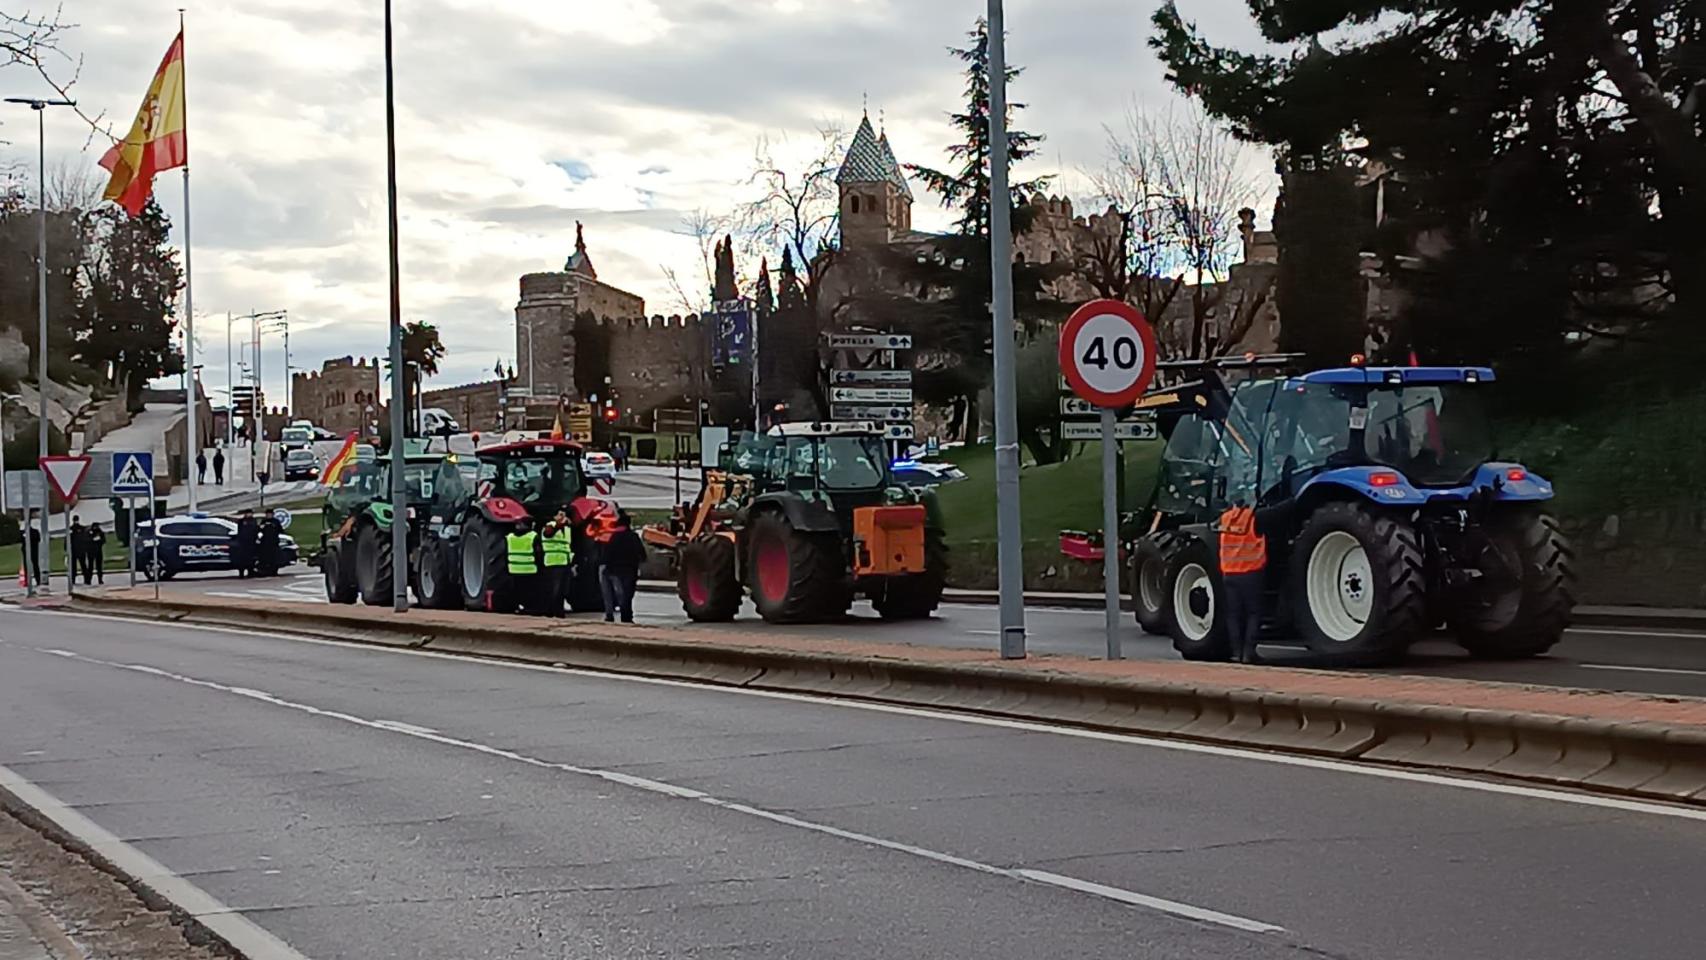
(399, 531)
(1010, 562)
(40, 107)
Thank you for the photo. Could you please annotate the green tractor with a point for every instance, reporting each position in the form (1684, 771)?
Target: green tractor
(806, 517)
(355, 549)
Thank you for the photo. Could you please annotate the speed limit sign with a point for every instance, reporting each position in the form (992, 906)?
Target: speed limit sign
(1107, 353)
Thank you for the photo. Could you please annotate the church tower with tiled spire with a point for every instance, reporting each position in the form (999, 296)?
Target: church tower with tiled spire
(876, 203)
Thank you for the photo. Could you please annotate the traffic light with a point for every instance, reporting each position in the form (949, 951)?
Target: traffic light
(611, 414)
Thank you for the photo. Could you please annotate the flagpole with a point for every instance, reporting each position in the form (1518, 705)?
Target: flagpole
(192, 431)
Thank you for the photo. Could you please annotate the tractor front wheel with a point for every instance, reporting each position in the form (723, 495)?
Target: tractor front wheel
(340, 579)
(709, 586)
(1149, 579)
(373, 565)
(797, 577)
(1193, 609)
(435, 588)
(1520, 604)
(484, 562)
(1358, 586)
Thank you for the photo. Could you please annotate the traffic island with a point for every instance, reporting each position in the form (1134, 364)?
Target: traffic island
(1619, 743)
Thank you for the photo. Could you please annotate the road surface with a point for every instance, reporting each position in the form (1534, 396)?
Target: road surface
(363, 803)
(1666, 662)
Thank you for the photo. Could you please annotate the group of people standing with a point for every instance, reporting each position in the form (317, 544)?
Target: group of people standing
(542, 563)
(88, 546)
(255, 552)
(218, 462)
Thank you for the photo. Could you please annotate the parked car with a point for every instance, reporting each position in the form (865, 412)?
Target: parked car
(924, 473)
(301, 464)
(598, 465)
(193, 542)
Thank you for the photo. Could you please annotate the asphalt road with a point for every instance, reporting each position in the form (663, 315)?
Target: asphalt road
(1666, 662)
(366, 803)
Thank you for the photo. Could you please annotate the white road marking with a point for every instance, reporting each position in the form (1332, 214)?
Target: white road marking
(663, 788)
(1613, 666)
(1653, 808)
(1668, 634)
(249, 938)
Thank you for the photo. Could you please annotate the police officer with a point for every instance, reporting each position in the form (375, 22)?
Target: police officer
(558, 553)
(523, 565)
(244, 546)
(1243, 572)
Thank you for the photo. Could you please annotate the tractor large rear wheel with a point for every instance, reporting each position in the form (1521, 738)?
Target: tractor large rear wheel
(1194, 611)
(1520, 605)
(797, 577)
(1149, 579)
(917, 596)
(1357, 582)
(484, 563)
(373, 575)
(709, 585)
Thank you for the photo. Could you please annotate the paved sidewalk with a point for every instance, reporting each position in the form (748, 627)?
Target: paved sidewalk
(1612, 707)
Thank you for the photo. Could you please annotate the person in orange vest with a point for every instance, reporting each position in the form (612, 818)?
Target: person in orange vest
(1243, 568)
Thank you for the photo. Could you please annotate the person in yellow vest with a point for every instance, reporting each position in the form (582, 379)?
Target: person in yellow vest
(1243, 568)
(522, 548)
(557, 551)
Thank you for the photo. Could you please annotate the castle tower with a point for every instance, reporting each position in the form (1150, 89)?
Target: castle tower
(876, 203)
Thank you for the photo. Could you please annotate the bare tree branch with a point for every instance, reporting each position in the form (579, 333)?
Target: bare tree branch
(33, 41)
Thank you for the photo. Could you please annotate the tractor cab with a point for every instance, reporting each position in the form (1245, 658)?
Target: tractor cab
(535, 477)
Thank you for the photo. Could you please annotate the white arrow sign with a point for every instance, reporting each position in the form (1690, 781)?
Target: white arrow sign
(855, 378)
(1075, 407)
(869, 341)
(870, 395)
(1123, 430)
(65, 474)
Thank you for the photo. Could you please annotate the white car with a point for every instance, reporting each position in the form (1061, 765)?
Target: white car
(598, 465)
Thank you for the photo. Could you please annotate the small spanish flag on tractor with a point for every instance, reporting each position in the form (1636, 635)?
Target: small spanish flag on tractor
(157, 139)
(336, 466)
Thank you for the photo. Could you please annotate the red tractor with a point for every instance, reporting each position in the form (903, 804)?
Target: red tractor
(463, 558)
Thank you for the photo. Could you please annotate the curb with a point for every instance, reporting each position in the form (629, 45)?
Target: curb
(1639, 759)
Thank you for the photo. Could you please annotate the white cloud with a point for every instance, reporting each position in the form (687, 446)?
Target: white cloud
(517, 119)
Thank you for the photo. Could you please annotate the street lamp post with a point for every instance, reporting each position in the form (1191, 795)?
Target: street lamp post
(1010, 562)
(399, 531)
(40, 107)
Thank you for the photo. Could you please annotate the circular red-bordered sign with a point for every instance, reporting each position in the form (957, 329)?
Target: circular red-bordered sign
(1107, 353)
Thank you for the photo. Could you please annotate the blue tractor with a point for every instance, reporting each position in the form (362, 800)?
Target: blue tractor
(1399, 519)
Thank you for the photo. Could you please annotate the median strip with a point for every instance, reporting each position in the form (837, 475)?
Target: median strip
(1618, 743)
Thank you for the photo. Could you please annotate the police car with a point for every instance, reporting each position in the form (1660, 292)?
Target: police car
(925, 473)
(194, 542)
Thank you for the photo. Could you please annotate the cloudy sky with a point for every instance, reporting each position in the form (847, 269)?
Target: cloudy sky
(517, 118)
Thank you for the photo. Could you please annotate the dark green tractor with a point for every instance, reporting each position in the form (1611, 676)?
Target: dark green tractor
(355, 554)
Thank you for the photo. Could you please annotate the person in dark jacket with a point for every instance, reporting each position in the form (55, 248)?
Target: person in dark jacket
(97, 555)
(78, 545)
(219, 466)
(619, 565)
(267, 555)
(201, 467)
(243, 548)
(35, 556)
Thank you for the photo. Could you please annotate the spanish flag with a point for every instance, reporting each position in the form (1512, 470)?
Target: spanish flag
(157, 140)
(336, 466)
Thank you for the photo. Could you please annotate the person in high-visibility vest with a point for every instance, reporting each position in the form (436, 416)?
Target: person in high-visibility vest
(1243, 568)
(521, 547)
(558, 552)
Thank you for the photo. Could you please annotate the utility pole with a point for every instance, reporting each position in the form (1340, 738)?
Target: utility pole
(1010, 566)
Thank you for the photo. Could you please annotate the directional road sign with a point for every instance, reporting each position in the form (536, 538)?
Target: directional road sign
(870, 378)
(869, 341)
(1123, 430)
(898, 431)
(133, 471)
(1107, 353)
(868, 411)
(870, 394)
(65, 474)
(24, 488)
(1077, 407)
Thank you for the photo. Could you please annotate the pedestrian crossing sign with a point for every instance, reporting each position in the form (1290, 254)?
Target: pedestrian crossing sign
(132, 473)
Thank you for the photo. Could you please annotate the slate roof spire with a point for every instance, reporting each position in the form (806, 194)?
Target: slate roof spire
(870, 159)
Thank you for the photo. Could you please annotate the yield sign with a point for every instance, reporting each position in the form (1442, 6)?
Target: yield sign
(66, 474)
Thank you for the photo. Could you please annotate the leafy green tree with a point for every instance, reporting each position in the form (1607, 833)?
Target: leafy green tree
(1532, 175)
(129, 316)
